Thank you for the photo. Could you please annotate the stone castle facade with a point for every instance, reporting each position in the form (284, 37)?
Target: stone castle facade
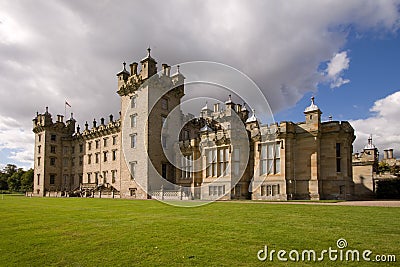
(136, 155)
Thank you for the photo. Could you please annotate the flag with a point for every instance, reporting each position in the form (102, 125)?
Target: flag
(66, 103)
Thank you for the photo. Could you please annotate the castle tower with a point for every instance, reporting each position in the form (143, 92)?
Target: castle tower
(49, 154)
(147, 100)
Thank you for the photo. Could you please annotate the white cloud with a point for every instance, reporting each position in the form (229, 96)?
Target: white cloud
(384, 125)
(75, 50)
(17, 137)
(336, 66)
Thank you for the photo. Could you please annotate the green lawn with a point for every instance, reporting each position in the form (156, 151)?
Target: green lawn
(102, 232)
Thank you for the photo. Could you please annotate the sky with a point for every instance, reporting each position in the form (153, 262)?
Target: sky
(346, 54)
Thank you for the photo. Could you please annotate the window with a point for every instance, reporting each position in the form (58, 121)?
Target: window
(65, 150)
(133, 140)
(133, 102)
(38, 161)
(97, 144)
(73, 149)
(217, 161)
(186, 135)
(52, 161)
(133, 120)
(105, 155)
(114, 140)
(187, 166)
(338, 159)
(52, 178)
(163, 122)
(80, 160)
(39, 138)
(90, 146)
(113, 175)
(89, 159)
(65, 162)
(96, 177)
(97, 157)
(72, 162)
(133, 169)
(105, 176)
(270, 162)
(80, 178)
(114, 154)
(223, 161)
(53, 137)
(164, 170)
(236, 161)
(342, 189)
(270, 190)
(164, 103)
(38, 179)
(39, 149)
(88, 177)
(216, 190)
(211, 155)
(133, 192)
(80, 148)
(52, 149)
(105, 142)
(238, 190)
(164, 141)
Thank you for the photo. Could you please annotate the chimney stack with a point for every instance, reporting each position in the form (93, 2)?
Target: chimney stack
(216, 107)
(390, 153)
(133, 67)
(385, 154)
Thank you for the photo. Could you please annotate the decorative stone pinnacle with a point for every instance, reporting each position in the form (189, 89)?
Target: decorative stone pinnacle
(148, 51)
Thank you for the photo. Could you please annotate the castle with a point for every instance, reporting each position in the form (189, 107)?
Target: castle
(137, 155)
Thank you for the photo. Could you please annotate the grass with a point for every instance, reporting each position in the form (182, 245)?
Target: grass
(105, 232)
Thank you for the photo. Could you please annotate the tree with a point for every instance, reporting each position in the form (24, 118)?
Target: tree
(3, 181)
(10, 169)
(14, 181)
(27, 181)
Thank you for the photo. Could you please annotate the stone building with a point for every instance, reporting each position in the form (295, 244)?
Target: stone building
(222, 154)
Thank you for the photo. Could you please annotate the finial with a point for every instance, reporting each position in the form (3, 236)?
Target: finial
(312, 100)
(72, 115)
(37, 113)
(86, 126)
(47, 110)
(94, 123)
(178, 68)
(148, 51)
(78, 129)
(124, 65)
(230, 97)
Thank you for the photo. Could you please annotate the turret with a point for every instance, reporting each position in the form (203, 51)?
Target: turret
(313, 116)
(149, 66)
(122, 76)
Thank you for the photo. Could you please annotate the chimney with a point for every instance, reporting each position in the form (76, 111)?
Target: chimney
(390, 153)
(385, 154)
(168, 72)
(164, 68)
(238, 108)
(133, 67)
(60, 118)
(216, 107)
